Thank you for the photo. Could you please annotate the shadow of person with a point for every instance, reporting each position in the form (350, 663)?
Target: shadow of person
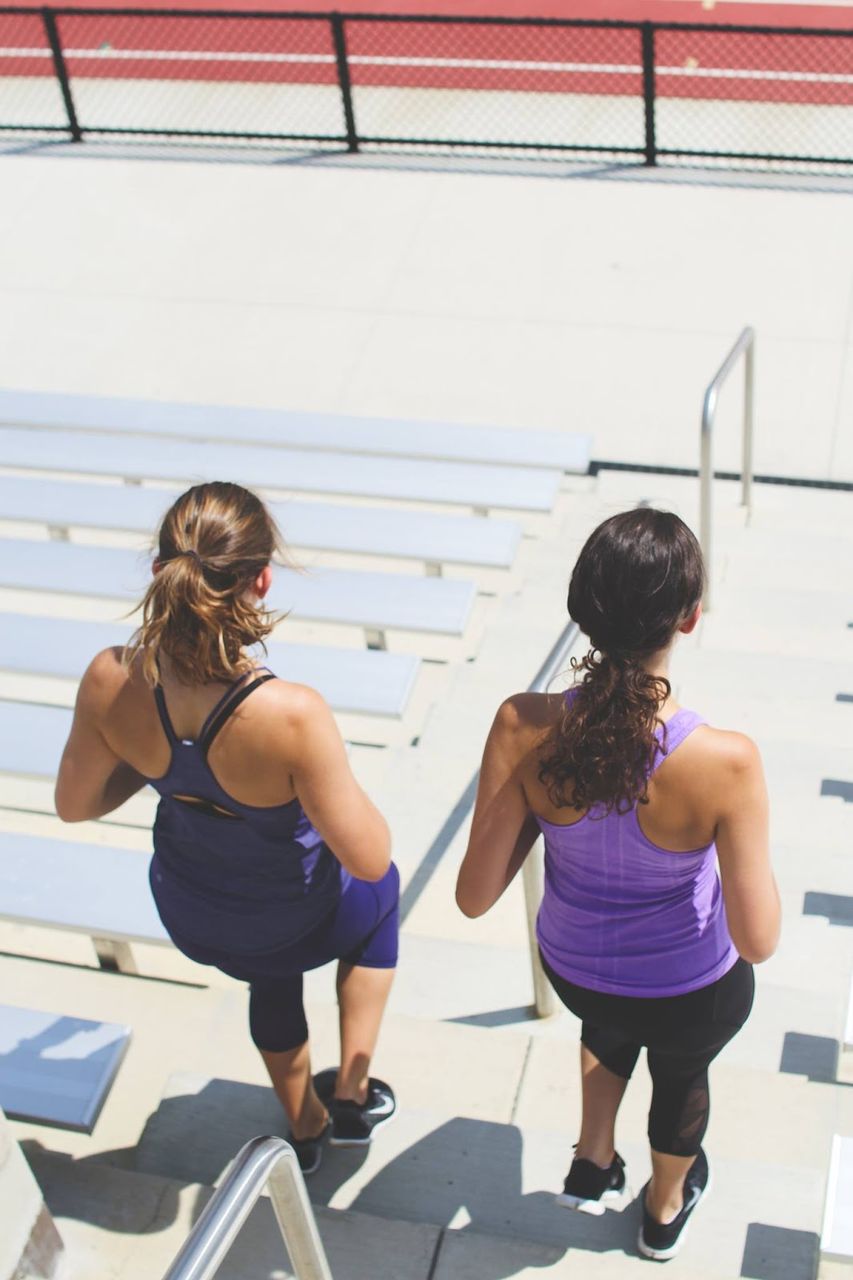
(469, 1175)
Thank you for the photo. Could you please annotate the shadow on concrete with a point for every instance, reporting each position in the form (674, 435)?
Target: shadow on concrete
(471, 1170)
(815, 1057)
(837, 787)
(497, 1017)
(333, 155)
(837, 907)
(772, 1252)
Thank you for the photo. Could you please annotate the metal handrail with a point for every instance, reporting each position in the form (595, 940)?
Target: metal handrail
(262, 1161)
(745, 346)
(532, 871)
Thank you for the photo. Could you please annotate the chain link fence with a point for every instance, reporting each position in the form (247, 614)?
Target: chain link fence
(651, 93)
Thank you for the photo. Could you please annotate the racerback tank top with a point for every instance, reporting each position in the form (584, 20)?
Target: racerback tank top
(623, 916)
(247, 880)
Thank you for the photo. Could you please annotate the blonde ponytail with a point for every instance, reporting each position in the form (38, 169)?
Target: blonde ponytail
(199, 610)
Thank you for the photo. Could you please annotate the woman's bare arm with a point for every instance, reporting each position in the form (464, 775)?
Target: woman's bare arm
(336, 805)
(750, 893)
(92, 779)
(503, 829)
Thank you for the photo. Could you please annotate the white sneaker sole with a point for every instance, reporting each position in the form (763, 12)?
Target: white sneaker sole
(663, 1255)
(594, 1207)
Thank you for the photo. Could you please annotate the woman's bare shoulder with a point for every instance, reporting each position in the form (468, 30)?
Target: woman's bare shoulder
(728, 750)
(107, 674)
(528, 715)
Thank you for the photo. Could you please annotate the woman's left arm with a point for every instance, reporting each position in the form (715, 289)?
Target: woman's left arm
(503, 829)
(92, 779)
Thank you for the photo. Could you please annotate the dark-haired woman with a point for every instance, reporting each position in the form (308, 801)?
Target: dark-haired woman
(639, 802)
(269, 859)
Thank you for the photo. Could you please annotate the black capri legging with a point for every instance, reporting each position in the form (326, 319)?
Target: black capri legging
(682, 1034)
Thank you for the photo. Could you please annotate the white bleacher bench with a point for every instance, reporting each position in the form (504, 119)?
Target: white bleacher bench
(481, 486)
(317, 526)
(374, 601)
(32, 738)
(56, 1069)
(567, 451)
(80, 888)
(836, 1237)
(358, 681)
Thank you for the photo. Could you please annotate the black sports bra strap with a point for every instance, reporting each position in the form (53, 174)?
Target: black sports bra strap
(163, 712)
(215, 723)
(219, 704)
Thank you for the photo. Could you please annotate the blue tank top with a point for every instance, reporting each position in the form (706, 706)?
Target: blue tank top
(246, 881)
(623, 916)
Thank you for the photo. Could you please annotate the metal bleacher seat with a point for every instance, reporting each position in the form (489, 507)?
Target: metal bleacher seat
(57, 1069)
(436, 539)
(374, 601)
(81, 888)
(360, 681)
(564, 451)
(134, 457)
(33, 737)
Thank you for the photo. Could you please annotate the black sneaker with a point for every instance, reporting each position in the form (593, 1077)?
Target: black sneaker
(588, 1186)
(353, 1123)
(662, 1240)
(309, 1151)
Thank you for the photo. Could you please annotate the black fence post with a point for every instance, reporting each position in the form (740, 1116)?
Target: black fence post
(52, 32)
(340, 42)
(648, 42)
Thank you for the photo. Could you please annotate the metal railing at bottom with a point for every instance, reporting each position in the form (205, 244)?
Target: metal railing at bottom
(262, 1162)
(532, 871)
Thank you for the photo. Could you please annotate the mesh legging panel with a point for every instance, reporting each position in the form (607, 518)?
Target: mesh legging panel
(681, 1104)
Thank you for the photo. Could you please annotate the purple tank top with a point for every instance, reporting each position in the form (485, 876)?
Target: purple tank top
(247, 883)
(623, 916)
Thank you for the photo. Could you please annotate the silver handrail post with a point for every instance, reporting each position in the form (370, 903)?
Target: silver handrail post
(745, 346)
(533, 878)
(748, 395)
(297, 1223)
(261, 1161)
(532, 871)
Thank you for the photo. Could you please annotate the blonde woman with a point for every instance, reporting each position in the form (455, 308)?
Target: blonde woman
(269, 859)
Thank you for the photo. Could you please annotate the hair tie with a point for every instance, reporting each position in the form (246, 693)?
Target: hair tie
(193, 555)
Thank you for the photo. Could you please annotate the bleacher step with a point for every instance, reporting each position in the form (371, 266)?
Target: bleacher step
(128, 1226)
(445, 1168)
(119, 1225)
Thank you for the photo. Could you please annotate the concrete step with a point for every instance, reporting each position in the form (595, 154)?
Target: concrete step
(499, 1178)
(128, 1226)
(757, 676)
(733, 628)
(118, 1225)
(201, 1121)
(819, 723)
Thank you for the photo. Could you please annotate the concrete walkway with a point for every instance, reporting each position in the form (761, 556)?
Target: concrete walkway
(499, 296)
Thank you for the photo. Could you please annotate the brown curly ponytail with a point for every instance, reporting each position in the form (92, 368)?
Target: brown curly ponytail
(198, 610)
(638, 578)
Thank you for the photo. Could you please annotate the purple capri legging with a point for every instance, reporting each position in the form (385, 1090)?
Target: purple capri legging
(362, 930)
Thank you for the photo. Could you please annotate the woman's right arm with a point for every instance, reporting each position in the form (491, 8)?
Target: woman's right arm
(335, 804)
(750, 893)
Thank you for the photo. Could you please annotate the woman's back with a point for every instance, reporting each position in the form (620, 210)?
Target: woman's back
(627, 913)
(230, 831)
